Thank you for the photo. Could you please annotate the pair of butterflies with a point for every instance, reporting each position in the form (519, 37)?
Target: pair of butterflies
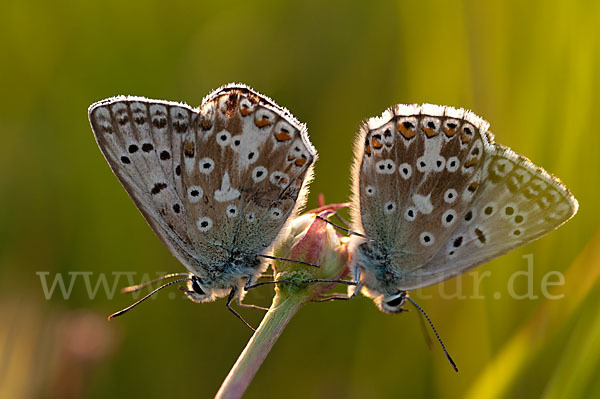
(433, 195)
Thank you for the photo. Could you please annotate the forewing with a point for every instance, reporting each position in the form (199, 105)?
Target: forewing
(250, 160)
(517, 202)
(141, 140)
(418, 168)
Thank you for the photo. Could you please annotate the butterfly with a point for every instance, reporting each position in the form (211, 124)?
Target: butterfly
(216, 183)
(434, 196)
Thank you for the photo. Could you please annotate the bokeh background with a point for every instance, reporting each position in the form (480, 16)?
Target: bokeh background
(530, 68)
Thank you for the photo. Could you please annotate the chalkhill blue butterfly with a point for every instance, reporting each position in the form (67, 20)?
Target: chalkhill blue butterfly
(436, 196)
(216, 183)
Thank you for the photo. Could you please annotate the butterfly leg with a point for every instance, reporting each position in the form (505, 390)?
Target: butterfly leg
(358, 285)
(355, 282)
(232, 310)
(334, 297)
(250, 306)
(250, 286)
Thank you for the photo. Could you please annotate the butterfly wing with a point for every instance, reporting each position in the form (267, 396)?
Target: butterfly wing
(517, 202)
(251, 159)
(212, 183)
(142, 141)
(415, 173)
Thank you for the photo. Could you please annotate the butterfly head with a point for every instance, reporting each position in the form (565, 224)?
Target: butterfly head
(392, 303)
(196, 291)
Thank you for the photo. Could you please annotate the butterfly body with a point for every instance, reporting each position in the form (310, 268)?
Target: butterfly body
(436, 197)
(216, 184)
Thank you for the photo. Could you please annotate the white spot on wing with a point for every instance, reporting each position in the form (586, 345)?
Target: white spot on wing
(226, 192)
(389, 207)
(231, 211)
(449, 217)
(236, 142)
(426, 239)
(194, 194)
(452, 164)
(439, 164)
(206, 165)
(431, 154)
(259, 174)
(279, 179)
(276, 213)
(423, 203)
(385, 166)
(405, 170)
(223, 138)
(204, 224)
(410, 214)
(450, 195)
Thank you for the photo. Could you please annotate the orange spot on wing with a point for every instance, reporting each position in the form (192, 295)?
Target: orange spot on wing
(376, 143)
(263, 122)
(300, 161)
(471, 162)
(188, 149)
(368, 149)
(430, 132)
(473, 186)
(245, 111)
(405, 132)
(450, 132)
(464, 138)
(283, 136)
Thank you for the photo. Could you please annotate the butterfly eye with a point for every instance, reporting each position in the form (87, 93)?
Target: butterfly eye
(196, 286)
(394, 305)
(396, 302)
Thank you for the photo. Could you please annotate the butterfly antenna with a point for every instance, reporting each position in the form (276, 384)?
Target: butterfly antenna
(288, 260)
(134, 288)
(435, 332)
(343, 228)
(128, 308)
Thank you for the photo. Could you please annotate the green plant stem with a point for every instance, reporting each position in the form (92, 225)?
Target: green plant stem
(282, 310)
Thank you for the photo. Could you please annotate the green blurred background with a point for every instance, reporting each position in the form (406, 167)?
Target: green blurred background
(530, 68)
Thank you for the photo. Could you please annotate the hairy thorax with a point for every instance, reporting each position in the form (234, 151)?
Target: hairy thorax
(233, 272)
(377, 271)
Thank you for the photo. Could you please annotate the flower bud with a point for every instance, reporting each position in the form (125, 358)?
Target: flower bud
(310, 239)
